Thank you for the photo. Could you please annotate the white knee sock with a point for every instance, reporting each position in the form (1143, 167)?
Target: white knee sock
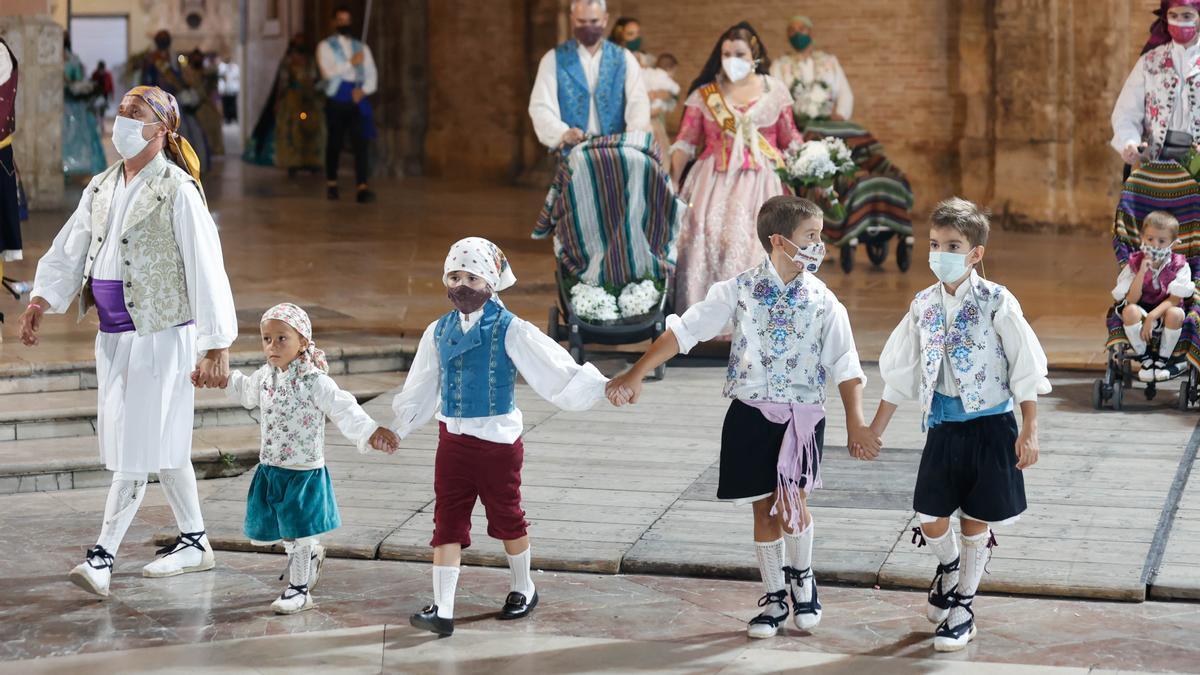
(799, 547)
(945, 548)
(974, 557)
(770, 564)
(299, 561)
(1134, 333)
(518, 569)
(124, 498)
(1167, 341)
(180, 488)
(445, 581)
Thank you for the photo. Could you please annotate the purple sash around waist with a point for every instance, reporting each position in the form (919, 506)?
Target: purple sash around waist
(110, 305)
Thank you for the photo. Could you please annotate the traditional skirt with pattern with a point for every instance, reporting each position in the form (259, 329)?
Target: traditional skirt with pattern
(612, 212)
(1160, 186)
(877, 196)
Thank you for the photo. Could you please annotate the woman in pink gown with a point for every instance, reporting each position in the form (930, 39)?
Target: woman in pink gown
(736, 121)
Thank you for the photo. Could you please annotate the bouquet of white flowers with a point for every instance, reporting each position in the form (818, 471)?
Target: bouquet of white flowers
(812, 100)
(599, 304)
(817, 164)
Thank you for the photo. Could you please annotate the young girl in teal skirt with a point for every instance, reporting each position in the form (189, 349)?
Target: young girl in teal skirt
(291, 496)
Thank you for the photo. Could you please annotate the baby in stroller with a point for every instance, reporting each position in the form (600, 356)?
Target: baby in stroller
(1151, 294)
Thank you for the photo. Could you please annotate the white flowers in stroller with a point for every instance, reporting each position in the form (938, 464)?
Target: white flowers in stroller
(598, 304)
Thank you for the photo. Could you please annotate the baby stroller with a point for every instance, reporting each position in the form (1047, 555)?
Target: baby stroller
(1118, 372)
(877, 199)
(614, 218)
(1154, 186)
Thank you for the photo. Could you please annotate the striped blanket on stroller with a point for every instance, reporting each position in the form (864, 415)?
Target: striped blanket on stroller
(877, 195)
(612, 212)
(1160, 186)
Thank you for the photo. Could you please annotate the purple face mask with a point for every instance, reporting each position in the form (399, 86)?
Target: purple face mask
(466, 299)
(589, 35)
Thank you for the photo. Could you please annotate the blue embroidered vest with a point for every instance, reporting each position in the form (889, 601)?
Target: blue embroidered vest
(478, 377)
(574, 99)
(968, 344)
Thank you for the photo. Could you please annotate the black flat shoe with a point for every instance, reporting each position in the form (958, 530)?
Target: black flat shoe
(331, 193)
(427, 619)
(515, 606)
(365, 196)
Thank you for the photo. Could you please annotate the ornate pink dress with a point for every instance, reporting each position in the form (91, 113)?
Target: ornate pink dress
(718, 240)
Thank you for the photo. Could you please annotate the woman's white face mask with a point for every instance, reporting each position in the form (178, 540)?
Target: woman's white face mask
(736, 69)
(127, 136)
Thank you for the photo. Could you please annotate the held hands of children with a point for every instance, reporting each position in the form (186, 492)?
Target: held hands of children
(384, 440)
(624, 389)
(863, 442)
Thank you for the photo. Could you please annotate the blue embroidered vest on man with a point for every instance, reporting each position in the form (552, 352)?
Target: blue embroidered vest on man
(574, 98)
(478, 377)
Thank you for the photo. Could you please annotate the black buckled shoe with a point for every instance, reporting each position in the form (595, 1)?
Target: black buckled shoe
(516, 607)
(428, 619)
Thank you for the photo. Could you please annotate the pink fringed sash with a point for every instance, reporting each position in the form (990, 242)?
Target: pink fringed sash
(797, 455)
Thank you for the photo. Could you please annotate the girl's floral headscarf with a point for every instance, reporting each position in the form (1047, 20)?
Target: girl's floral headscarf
(166, 109)
(312, 357)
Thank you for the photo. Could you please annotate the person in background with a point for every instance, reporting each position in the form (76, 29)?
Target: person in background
(10, 213)
(102, 76)
(663, 91)
(229, 84)
(814, 78)
(349, 73)
(299, 113)
(627, 33)
(83, 156)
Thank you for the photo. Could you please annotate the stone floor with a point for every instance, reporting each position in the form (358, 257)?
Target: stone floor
(373, 272)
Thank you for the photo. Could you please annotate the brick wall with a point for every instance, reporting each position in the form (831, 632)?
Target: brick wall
(1004, 101)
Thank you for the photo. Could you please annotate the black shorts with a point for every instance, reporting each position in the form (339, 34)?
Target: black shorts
(750, 453)
(971, 466)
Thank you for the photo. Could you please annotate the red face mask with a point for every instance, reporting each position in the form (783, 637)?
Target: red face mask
(1182, 33)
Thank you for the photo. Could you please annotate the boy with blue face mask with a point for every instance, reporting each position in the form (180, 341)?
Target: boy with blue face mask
(966, 353)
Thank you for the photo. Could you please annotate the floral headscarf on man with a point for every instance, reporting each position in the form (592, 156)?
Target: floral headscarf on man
(166, 109)
(311, 359)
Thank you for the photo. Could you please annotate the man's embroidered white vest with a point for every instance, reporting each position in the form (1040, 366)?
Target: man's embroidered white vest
(152, 272)
(968, 344)
(1162, 85)
(788, 323)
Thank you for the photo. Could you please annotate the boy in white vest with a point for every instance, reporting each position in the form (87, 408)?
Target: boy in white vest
(791, 337)
(142, 248)
(966, 353)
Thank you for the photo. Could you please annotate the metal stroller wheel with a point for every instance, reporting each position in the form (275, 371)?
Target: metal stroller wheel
(1151, 391)
(1185, 394)
(848, 257)
(575, 340)
(552, 326)
(877, 251)
(661, 371)
(904, 254)
(1118, 395)
(1098, 394)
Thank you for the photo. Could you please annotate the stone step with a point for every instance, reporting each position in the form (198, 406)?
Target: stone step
(69, 463)
(64, 414)
(27, 377)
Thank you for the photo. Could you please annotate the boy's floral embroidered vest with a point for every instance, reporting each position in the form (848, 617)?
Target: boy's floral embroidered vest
(968, 344)
(574, 98)
(291, 424)
(789, 323)
(1157, 287)
(478, 377)
(1162, 83)
(152, 272)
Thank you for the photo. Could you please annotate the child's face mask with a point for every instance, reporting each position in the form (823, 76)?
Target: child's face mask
(468, 300)
(949, 267)
(808, 257)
